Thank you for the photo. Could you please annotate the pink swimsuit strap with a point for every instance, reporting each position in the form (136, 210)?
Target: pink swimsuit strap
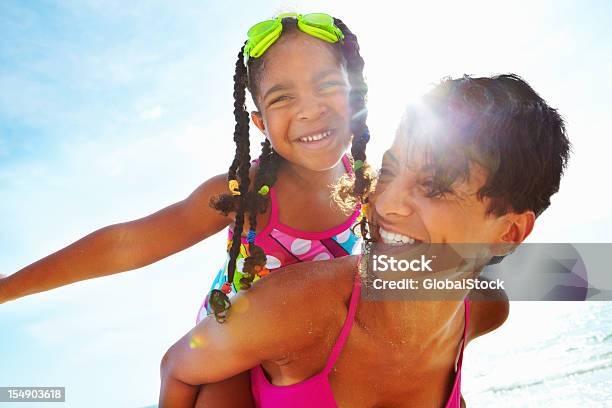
(346, 327)
(315, 391)
(466, 304)
(274, 222)
(454, 400)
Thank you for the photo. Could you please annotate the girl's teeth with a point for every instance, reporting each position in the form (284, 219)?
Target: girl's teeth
(315, 138)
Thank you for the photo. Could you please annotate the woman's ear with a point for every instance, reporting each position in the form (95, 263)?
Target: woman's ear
(258, 121)
(519, 228)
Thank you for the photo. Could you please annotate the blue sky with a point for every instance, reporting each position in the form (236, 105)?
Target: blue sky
(112, 110)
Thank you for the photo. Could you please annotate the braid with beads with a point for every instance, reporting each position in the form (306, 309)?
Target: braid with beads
(357, 190)
(239, 169)
(266, 176)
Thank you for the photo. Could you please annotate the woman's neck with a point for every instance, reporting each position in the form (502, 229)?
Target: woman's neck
(410, 318)
(395, 315)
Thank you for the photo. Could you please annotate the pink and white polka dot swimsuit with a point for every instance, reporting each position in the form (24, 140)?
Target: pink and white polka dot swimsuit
(284, 245)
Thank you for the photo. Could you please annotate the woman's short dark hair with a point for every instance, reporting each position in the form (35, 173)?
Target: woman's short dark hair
(503, 125)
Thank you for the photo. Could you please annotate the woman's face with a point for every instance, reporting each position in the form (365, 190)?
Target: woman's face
(303, 100)
(402, 208)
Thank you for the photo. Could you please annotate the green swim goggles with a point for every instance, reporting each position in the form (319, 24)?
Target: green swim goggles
(262, 35)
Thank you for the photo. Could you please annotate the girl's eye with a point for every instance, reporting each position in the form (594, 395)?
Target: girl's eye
(281, 98)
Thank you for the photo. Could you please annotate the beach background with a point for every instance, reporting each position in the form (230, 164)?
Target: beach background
(110, 111)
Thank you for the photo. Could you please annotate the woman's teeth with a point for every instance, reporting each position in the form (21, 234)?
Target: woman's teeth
(316, 137)
(393, 238)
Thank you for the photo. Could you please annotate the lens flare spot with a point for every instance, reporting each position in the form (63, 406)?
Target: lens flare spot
(198, 341)
(241, 305)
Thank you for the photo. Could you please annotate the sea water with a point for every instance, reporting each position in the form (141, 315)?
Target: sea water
(547, 354)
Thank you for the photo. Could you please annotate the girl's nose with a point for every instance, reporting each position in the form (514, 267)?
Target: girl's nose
(394, 200)
(311, 108)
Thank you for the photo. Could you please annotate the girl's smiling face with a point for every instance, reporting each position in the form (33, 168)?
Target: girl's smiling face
(302, 95)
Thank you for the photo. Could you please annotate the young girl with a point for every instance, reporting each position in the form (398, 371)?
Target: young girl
(305, 75)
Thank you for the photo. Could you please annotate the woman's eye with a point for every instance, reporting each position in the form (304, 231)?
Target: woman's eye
(331, 84)
(433, 189)
(385, 173)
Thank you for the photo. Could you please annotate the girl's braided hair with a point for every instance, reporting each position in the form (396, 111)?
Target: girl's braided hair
(253, 201)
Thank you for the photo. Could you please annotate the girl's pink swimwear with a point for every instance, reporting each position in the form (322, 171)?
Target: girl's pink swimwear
(284, 245)
(316, 391)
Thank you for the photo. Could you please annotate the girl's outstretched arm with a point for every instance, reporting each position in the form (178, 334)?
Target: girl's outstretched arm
(126, 246)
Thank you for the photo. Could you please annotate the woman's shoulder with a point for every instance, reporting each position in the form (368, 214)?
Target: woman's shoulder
(489, 309)
(278, 309)
(311, 288)
(331, 274)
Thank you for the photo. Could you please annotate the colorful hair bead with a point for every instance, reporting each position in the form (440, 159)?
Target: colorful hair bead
(357, 165)
(233, 187)
(365, 136)
(226, 288)
(364, 210)
(264, 190)
(251, 236)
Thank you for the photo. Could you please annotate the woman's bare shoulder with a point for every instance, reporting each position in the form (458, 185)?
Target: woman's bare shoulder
(489, 309)
(321, 285)
(332, 274)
